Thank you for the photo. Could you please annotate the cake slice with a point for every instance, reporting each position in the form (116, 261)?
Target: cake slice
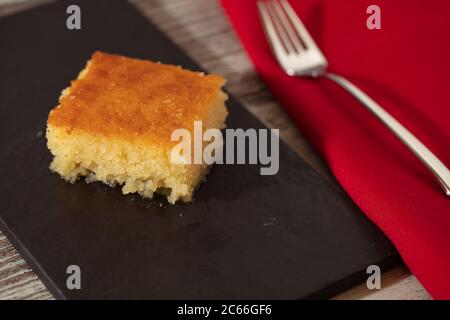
(114, 124)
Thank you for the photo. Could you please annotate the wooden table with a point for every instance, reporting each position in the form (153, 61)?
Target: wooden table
(202, 30)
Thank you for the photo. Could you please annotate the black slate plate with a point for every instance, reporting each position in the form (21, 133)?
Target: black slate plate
(246, 236)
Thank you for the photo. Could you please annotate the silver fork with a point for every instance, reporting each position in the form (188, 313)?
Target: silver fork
(298, 55)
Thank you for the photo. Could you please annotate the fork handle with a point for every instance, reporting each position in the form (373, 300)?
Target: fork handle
(439, 170)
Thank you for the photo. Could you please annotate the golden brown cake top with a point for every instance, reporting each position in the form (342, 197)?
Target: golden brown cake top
(134, 99)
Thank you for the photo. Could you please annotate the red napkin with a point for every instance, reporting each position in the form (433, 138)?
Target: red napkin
(404, 66)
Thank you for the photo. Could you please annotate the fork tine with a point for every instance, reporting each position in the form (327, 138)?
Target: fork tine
(275, 42)
(292, 34)
(279, 26)
(299, 26)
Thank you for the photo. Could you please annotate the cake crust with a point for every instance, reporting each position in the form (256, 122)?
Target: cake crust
(135, 100)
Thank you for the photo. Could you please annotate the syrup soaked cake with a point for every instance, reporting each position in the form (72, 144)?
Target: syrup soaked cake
(114, 124)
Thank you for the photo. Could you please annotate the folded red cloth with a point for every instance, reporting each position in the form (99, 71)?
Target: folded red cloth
(405, 67)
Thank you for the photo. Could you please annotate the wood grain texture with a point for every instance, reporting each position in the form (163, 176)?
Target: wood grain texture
(202, 30)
